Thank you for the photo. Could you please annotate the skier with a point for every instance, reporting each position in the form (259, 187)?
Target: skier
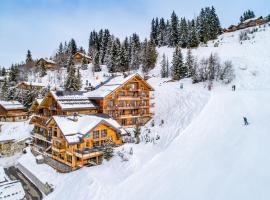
(233, 88)
(245, 121)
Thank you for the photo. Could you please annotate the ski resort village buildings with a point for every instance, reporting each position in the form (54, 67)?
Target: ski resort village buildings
(72, 127)
(10, 190)
(12, 111)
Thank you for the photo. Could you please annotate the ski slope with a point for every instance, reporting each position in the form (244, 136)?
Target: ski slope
(204, 152)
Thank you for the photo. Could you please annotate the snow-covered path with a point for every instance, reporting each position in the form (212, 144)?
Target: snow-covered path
(216, 157)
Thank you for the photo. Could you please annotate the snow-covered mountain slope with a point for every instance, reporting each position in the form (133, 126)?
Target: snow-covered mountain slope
(204, 151)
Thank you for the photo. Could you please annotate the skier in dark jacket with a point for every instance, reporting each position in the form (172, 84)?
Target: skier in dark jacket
(245, 121)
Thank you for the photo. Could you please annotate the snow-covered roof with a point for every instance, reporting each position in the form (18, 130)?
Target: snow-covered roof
(73, 101)
(39, 101)
(248, 20)
(110, 86)
(83, 55)
(33, 84)
(11, 105)
(75, 130)
(47, 60)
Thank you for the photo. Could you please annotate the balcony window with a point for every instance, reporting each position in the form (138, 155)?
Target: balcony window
(96, 144)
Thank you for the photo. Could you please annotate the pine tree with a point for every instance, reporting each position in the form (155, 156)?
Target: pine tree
(13, 74)
(135, 60)
(183, 33)
(163, 66)
(72, 46)
(3, 72)
(190, 64)
(96, 63)
(174, 34)
(177, 64)
(108, 149)
(71, 83)
(28, 57)
(161, 32)
(78, 80)
(4, 90)
(193, 40)
(84, 63)
(150, 56)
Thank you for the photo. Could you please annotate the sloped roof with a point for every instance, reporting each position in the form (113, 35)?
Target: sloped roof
(33, 84)
(83, 55)
(11, 105)
(73, 101)
(47, 60)
(75, 130)
(112, 85)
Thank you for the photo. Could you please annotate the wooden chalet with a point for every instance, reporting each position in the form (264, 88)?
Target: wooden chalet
(127, 100)
(119, 102)
(78, 58)
(49, 64)
(24, 85)
(78, 140)
(12, 111)
(56, 103)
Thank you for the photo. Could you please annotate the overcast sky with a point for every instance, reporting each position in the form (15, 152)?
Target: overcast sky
(40, 25)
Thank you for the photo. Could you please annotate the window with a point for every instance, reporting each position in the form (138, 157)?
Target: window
(96, 144)
(102, 142)
(95, 134)
(104, 133)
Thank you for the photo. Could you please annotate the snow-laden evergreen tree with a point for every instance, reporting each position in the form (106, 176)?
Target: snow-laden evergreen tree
(167, 36)
(247, 15)
(3, 72)
(13, 74)
(28, 57)
(193, 40)
(135, 52)
(4, 90)
(114, 59)
(174, 34)
(177, 64)
(214, 24)
(183, 33)
(124, 63)
(161, 33)
(28, 98)
(104, 45)
(154, 30)
(72, 46)
(213, 67)
(71, 83)
(84, 63)
(150, 56)
(96, 63)
(163, 65)
(190, 64)
(108, 149)
(78, 79)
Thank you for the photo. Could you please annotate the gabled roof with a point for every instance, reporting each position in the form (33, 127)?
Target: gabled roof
(113, 84)
(46, 60)
(82, 54)
(74, 131)
(11, 105)
(35, 102)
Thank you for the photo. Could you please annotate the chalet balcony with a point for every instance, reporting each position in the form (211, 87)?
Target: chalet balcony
(59, 148)
(128, 97)
(88, 153)
(127, 107)
(42, 137)
(39, 120)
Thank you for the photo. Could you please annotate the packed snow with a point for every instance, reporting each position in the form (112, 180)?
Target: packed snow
(204, 150)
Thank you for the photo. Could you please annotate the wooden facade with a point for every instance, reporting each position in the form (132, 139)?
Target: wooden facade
(49, 64)
(88, 150)
(129, 103)
(12, 111)
(126, 101)
(78, 58)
